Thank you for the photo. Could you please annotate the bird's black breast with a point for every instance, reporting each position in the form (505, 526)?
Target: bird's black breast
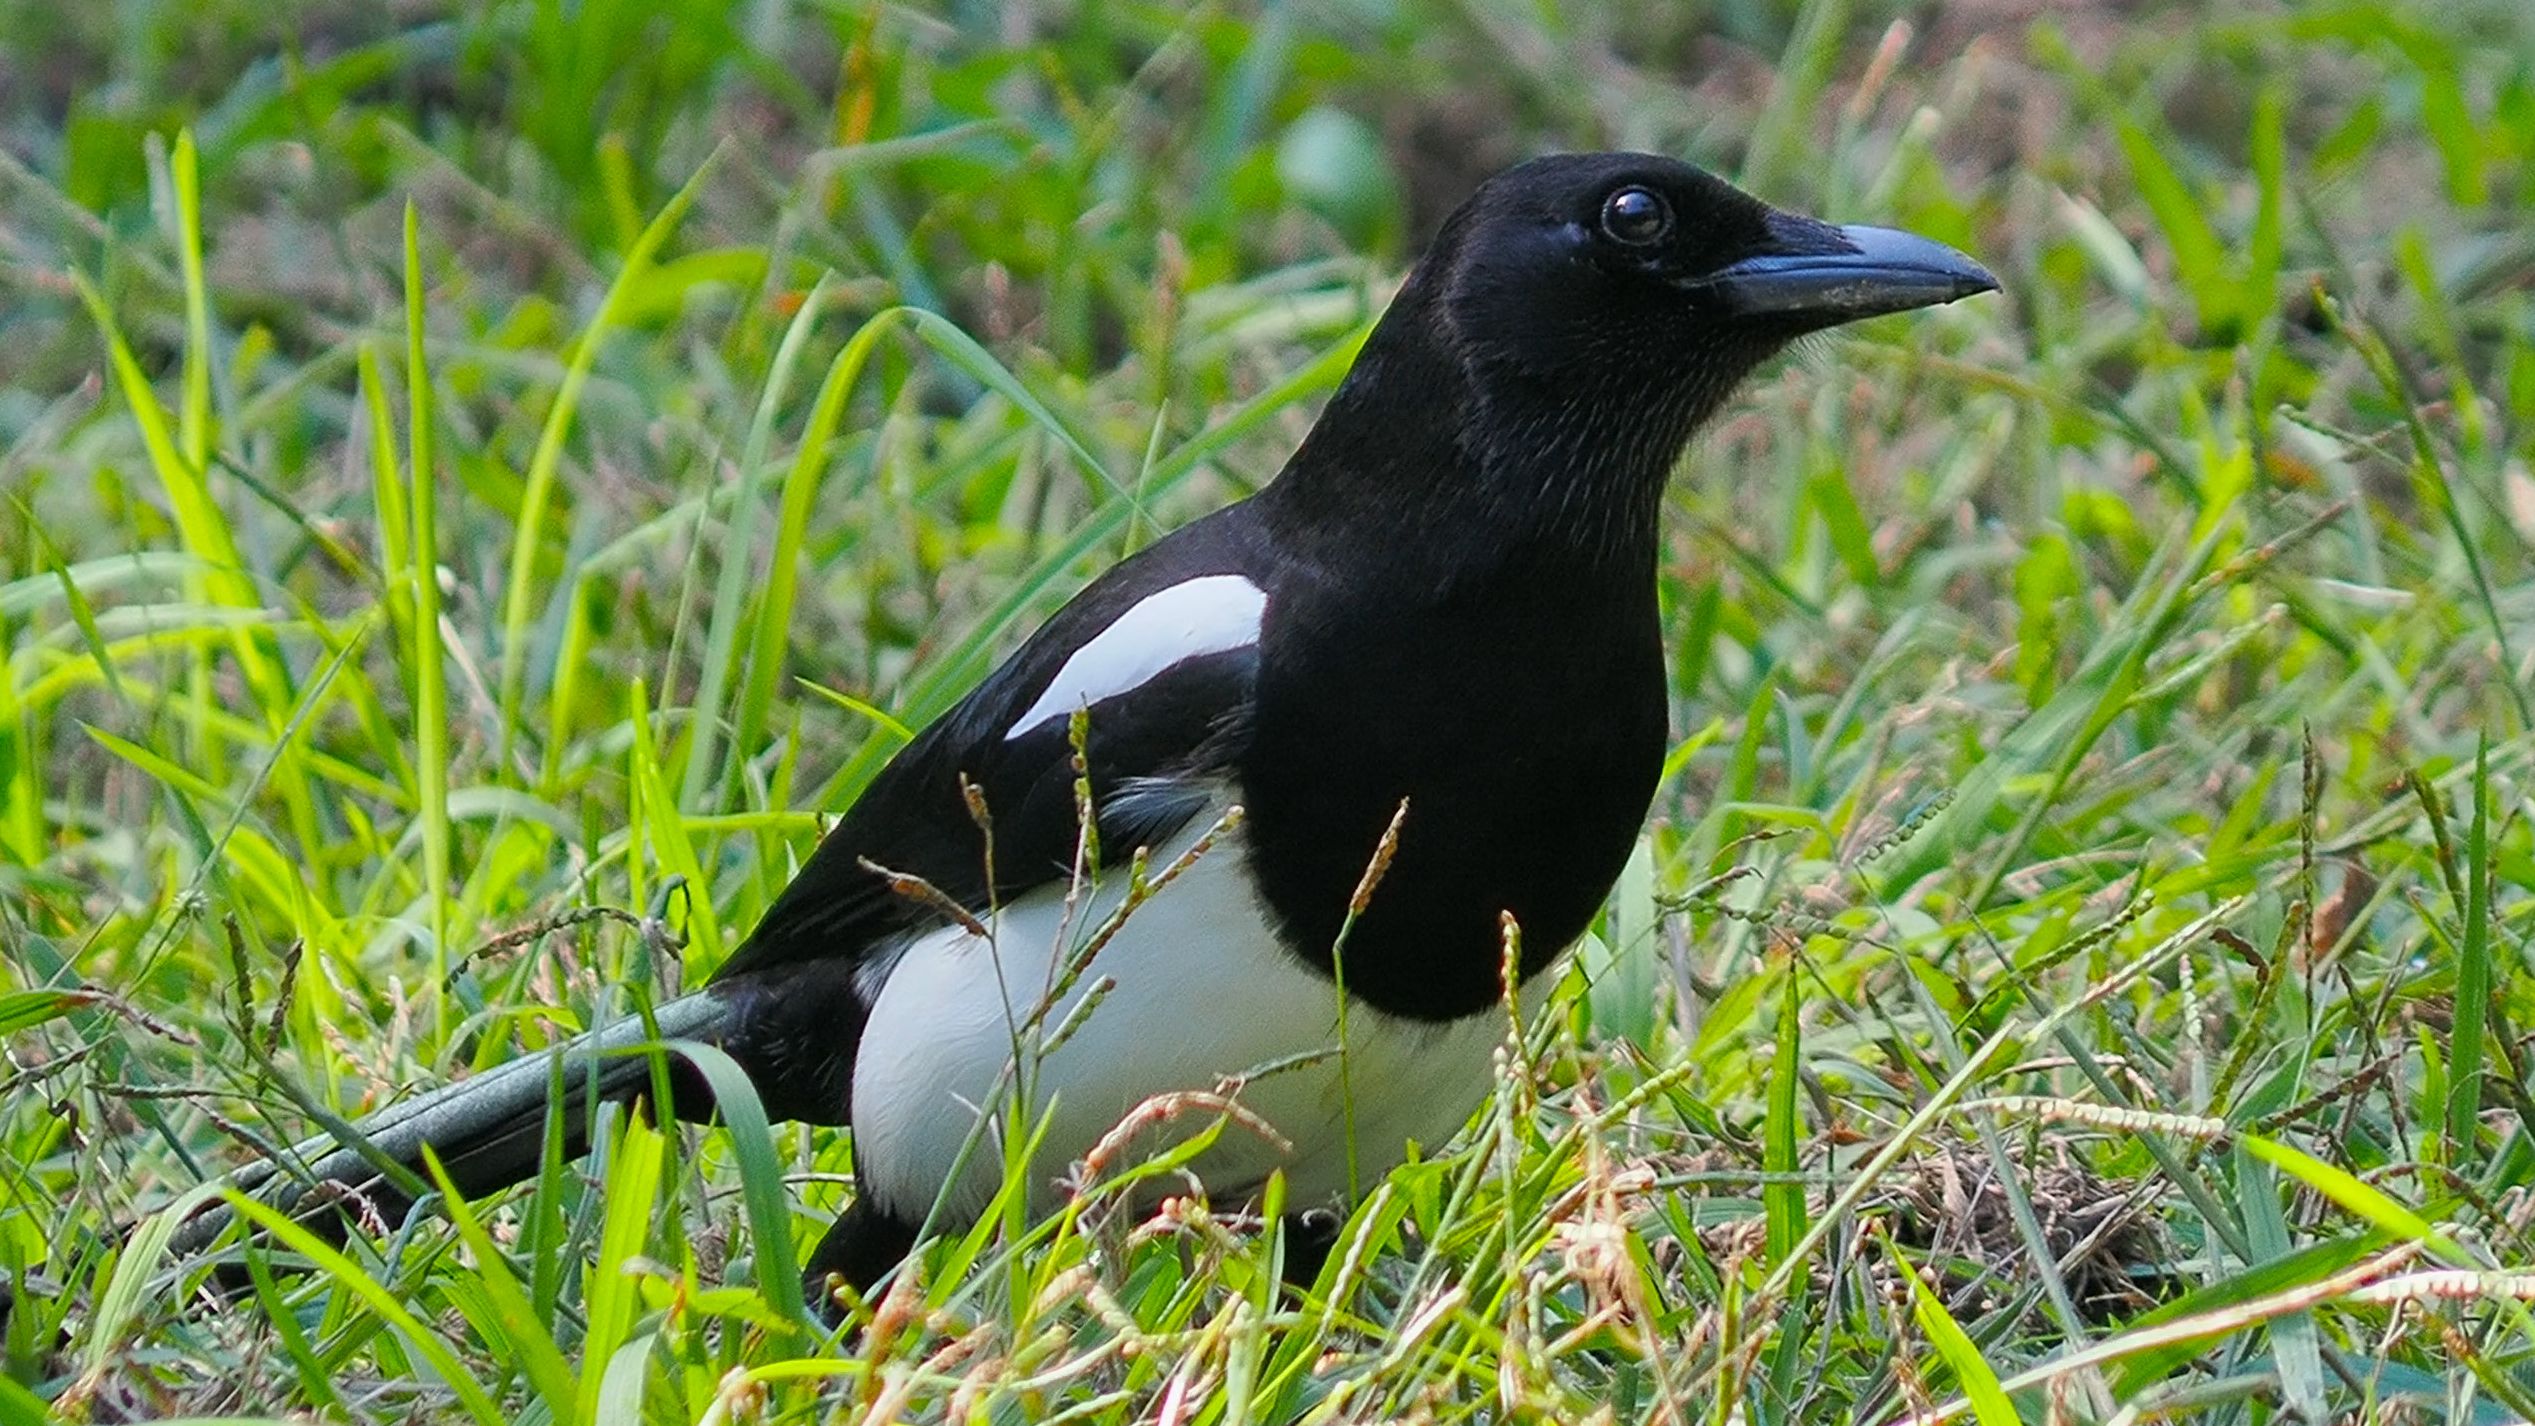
(1523, 720)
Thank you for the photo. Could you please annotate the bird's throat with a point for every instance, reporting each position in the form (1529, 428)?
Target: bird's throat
(1456, 487)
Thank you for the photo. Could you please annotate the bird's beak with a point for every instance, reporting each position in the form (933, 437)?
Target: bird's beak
(1824, 275)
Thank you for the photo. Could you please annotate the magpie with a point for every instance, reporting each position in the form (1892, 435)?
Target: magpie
(1432, 637)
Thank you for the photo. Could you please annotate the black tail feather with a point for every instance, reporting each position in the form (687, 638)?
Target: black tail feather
(793, 1032)
(488, 1131)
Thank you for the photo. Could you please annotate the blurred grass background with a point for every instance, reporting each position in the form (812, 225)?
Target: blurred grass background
(478, 487)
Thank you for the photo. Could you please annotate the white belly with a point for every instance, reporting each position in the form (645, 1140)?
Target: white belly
(1202, 993)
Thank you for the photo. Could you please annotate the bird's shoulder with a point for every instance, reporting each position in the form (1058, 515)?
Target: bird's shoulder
(1160, 651)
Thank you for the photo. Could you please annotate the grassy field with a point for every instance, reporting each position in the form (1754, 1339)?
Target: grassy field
(477, 491)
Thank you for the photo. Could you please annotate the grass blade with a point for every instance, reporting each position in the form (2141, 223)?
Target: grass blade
(1783, 1195)
(721, 641)
(390, 1306)
(429, 674)
(2473, 977)
(518, 600)
(530, 1342)
(1954, 1346)
(633, 1191)
(2365, 1201)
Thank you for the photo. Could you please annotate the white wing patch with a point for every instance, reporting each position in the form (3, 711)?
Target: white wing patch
(1211, 614)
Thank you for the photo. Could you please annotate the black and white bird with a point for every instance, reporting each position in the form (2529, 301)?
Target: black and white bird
(1446, 599)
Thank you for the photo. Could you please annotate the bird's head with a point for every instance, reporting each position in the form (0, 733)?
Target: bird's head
(1573, 323)
(1634, 278)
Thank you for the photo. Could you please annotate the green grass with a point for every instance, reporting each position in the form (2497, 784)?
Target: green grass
(476, 492)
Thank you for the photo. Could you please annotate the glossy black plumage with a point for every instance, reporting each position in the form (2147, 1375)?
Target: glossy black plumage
(1457, 570)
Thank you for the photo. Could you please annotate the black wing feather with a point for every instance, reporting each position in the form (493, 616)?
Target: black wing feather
(1177, 728)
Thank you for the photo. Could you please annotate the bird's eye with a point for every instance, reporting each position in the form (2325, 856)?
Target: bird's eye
(1636, 216)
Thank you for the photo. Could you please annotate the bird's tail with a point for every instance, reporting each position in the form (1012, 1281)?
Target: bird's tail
(488, 1131)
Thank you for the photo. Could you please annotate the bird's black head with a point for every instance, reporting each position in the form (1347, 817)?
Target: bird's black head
(1581, 314)
(1637, 279)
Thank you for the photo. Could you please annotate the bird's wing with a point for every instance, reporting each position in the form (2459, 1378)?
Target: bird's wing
(1162, 651)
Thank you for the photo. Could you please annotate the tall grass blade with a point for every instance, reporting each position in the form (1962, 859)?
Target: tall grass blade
(390, 1306)
(722, 650)
(1783, 1196)
(519, 596)
(2473, 978)
(424, 654)
(633, 1189)
(525, 1336)
(1954, 1346)
(2293, 1334)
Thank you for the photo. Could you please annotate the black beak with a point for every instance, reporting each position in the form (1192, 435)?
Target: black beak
(1828, 275)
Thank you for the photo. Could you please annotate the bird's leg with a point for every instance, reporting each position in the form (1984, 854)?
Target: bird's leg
(859, 1249)
(1309, 1238)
